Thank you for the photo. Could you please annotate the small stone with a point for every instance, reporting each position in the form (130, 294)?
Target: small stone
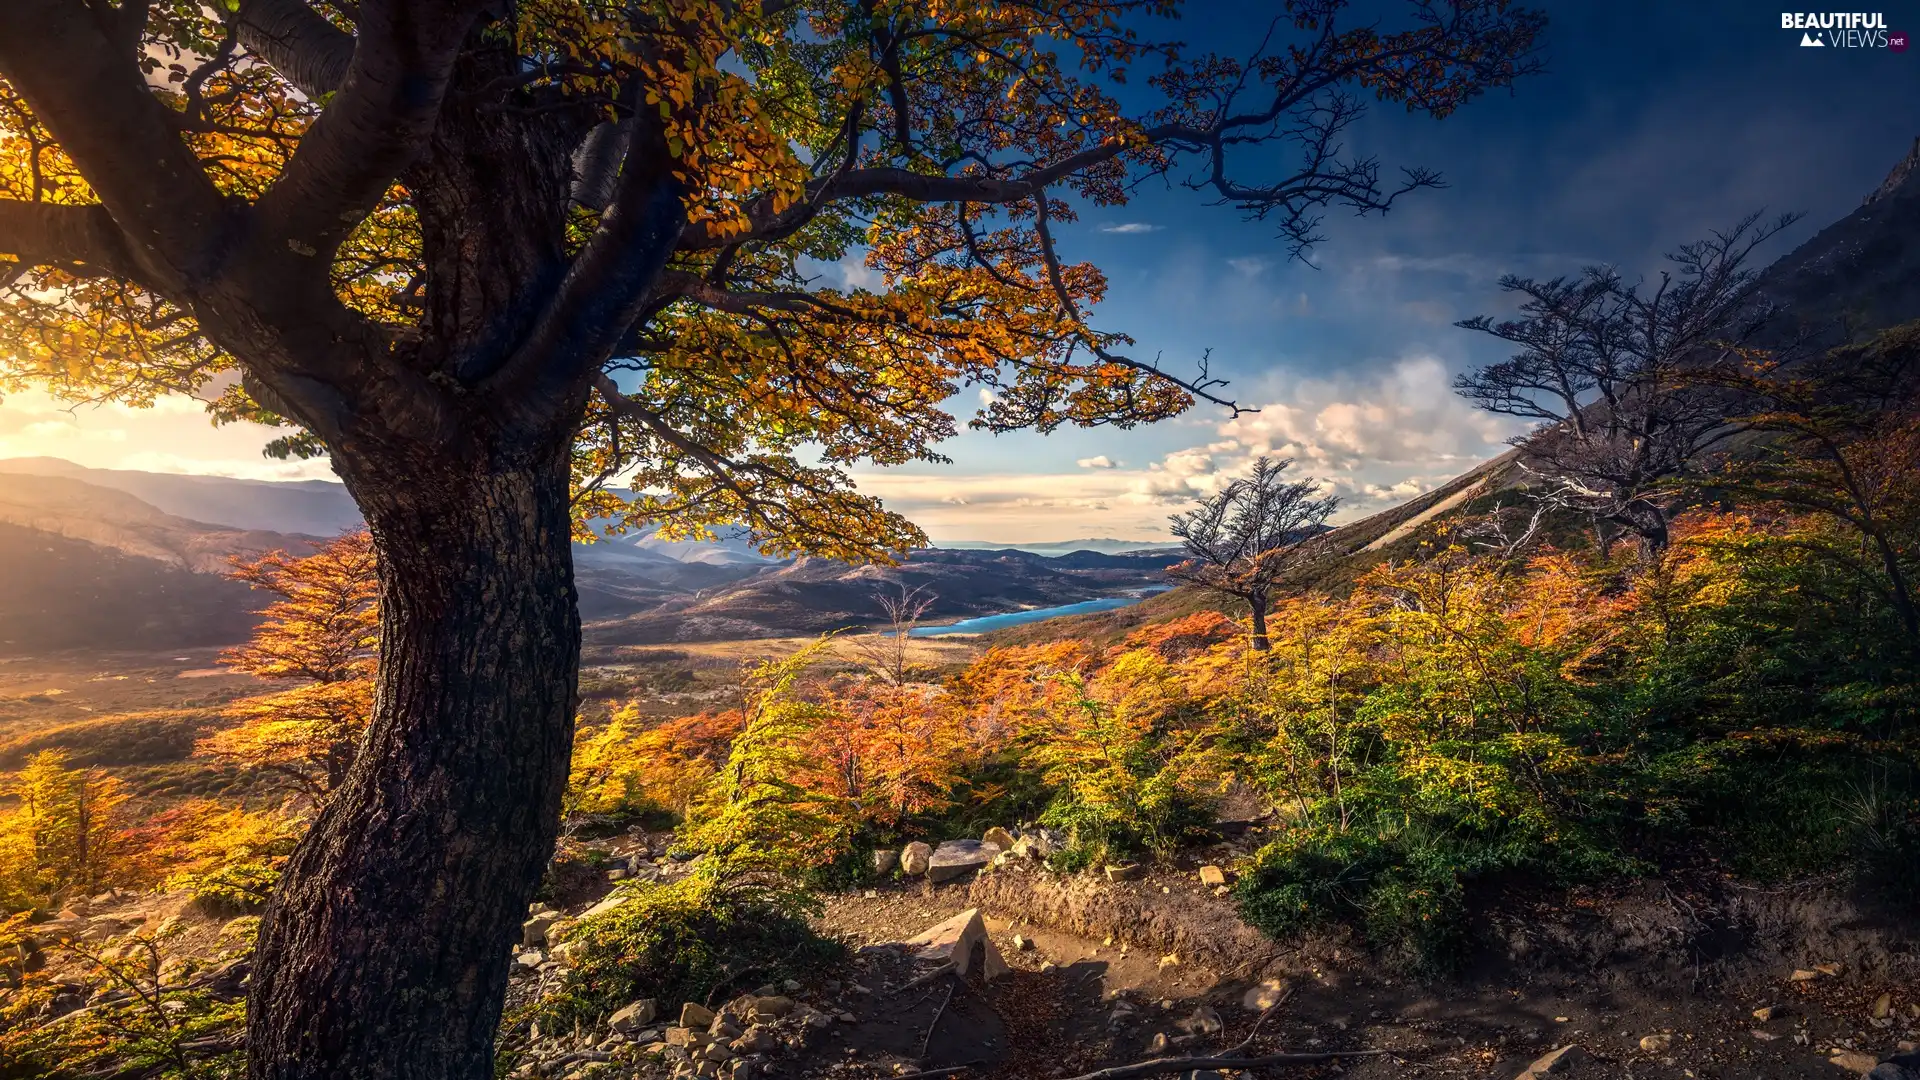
(1558, 1061)
(724, 1030)
(846, 1018)
(998, 837)
(1048, 965)
(616, 875)
(1022, 942)
(1768, 1012)
(1656, 1044)
(769, 1007)
(1170, 960)
(757, 1039)
(533, 932)
(915, 857)
(1882, 1005)
(1763, 1036)
(1159, 1043)
(1833, 968)
(1204, 1021)
(632, 1018)
(1212, 876)
(1854, 1061)
(679, 1035)
(1803, 975)
(1124, 871)
(694, 1015)
(532, 958)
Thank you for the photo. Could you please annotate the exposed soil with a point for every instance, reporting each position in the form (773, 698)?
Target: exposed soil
(1600, 971)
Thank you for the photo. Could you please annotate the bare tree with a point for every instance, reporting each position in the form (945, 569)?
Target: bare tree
(885, 649)
(1611, 369)
(1250, 538)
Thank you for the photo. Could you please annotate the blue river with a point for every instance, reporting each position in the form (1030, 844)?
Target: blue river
(1016, 618)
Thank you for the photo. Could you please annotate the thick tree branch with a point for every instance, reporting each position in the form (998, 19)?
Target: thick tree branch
(374, 126)
(91, 95)
(604, 292)
(306, 49)
(74, 237)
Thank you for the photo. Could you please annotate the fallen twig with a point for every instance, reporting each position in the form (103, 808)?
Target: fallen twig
(935, 1022)
(932, 1074)
(927, 977)
(1183, 1064)
(1264, 1013)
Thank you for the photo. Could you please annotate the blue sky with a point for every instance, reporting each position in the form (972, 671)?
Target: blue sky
(1653, 123)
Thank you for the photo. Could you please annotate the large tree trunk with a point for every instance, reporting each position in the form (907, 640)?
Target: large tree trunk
(384, 952)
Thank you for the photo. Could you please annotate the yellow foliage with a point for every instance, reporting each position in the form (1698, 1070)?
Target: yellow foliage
(66, 835)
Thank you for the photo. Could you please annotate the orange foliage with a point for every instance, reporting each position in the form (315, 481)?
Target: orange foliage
(322, 632)
(890, 750)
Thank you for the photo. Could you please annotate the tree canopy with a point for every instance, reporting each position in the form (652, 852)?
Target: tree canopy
(311, 194)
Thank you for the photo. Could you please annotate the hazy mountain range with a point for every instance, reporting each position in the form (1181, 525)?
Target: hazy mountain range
(117, 559)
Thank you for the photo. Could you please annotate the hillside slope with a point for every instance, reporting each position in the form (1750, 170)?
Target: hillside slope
(1854, 278)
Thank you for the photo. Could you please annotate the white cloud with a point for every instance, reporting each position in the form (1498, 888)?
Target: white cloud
(1098, 461)
(858, 275)
(1251, 265)
(1130, 228)
(1408, 415)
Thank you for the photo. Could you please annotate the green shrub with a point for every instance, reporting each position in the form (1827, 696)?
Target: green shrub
(681, 941)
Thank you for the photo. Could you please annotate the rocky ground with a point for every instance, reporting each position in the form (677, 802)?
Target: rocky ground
(1120, 968)
(1005, 970)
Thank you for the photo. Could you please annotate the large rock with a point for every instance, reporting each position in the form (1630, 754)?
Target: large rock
(634, 1017)
(914, 858)
(957, 941)
(885, 862)
(533, 932)
(1902, 1066)
(958, 858)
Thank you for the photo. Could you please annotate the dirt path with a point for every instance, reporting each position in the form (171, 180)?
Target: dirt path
(1075, 1001)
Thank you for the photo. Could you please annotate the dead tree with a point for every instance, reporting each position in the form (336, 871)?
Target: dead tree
(1249, 539)
(885, 649)
(1611, 370)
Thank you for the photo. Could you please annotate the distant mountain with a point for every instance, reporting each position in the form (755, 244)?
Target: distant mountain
(89, 567)
(1062, 547)
(91, 560)
(317, 507)
(807, 596)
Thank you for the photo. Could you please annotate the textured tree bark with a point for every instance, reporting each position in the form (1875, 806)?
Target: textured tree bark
(1258, 604)
(384, 952)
